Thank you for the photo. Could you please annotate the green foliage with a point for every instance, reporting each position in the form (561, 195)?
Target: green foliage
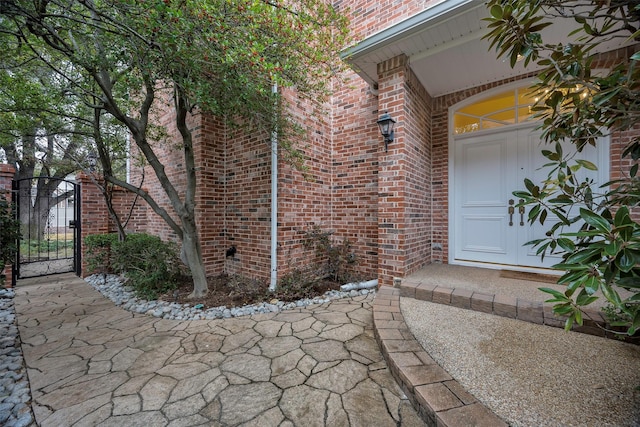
(579, 106)
(576, 102)
(9, 235)
(339, 255)
(130, 60)
(98, 252)
(219, 56)
(151, 266)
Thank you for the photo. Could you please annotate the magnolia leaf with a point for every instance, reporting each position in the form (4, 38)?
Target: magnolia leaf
(557, 294)
(625, 261)
(635, 324)
(578, 317)
(583, 256)
(587, 164)
(622, 216)
(629, 282)
(585, 299)
(591, 285)
(595, 220)
(496, 11)
(563, 309)
(611, 295)
(612, 248)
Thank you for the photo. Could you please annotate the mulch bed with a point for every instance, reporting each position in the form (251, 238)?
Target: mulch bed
(236, 291)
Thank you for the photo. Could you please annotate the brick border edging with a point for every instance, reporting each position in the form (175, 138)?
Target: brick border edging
(438, 398)
(515, 308)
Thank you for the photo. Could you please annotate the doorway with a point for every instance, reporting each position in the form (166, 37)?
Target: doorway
(486, 225)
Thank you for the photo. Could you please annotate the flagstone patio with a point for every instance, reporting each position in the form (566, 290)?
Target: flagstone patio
(92, 363)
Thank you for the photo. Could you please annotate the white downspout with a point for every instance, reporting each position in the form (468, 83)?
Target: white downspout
(274, 203)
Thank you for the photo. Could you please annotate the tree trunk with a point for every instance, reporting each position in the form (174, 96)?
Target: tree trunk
(192, 254)
(40, 222)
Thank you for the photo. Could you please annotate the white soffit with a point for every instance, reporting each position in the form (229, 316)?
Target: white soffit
(444, 47)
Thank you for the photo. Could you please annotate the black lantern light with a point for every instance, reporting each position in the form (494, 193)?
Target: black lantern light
(385, 123)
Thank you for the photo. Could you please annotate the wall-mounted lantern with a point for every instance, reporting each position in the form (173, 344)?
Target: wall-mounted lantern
(385, 123)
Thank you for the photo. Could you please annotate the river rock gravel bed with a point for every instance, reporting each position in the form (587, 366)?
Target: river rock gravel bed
(111, 287)
(15, 394)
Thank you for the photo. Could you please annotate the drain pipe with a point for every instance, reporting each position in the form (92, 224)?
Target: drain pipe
(274, 203)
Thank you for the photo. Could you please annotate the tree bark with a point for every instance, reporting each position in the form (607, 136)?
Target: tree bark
(191, 239)
(191, 251)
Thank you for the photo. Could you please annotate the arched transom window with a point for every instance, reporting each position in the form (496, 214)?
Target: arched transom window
(500, 109)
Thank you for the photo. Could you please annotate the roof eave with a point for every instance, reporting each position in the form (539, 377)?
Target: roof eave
(407, 28)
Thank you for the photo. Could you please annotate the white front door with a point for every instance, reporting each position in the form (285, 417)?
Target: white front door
(487, 226)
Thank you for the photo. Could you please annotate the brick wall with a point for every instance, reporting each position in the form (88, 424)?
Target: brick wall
(247, 201)
(6, 177)
(357, 145)
(211, 174)
(94, 215)
(233, 195)
(368, 17)
(404, 176)
(392, 206)
(305, 198)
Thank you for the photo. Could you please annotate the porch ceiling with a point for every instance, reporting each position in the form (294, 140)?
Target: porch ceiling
(444, 47)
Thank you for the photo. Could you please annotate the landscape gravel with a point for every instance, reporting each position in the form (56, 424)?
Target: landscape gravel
(15, 394)
(111, 287)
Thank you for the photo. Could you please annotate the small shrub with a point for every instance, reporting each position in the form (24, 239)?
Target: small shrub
(98, 252)
(150, 265)
(338, 254)
(619, 320)
(297, 284)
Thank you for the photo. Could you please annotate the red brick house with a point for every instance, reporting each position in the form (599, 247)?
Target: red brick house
(439, 194)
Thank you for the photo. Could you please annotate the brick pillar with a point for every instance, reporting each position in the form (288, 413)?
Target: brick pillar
(7, 173)
(391, 182)
(94, 216)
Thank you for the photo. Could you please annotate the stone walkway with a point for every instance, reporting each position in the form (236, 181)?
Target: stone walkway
(91, 363)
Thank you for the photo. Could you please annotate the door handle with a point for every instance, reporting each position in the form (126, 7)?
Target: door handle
(521, 212)
(511, 211)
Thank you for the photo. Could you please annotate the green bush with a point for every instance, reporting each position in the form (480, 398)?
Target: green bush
(151, 266)
(98, 252)
(9, 235)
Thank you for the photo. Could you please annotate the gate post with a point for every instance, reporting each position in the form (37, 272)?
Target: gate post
(94, 218)
(7, 173)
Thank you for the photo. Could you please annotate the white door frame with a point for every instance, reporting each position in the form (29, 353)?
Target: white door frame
(603, 170)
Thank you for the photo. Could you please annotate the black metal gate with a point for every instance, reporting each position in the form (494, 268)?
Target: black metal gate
(49, 212)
